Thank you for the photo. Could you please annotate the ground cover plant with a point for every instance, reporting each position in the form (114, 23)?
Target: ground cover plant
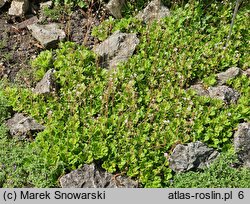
(221, 174)
(127, 118)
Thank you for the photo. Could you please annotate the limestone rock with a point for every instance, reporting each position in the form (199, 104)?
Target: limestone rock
(114, 7)
(224, 93)
(231, 73)
(247, 72)
(117, 48)
(200, 90)
(242, 143)
(89, 176)
(48, 35)
(27, 22)
(22, 126)
(195, 155)
(47, 84)
(155, 10)
(47, 4)
(19, 7)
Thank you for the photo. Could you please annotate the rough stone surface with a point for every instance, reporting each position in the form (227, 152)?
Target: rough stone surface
(154, 11)
(18, 7)
(89, 176)
(115, 7)
(48, 35)
(195, 155)
(47, 84)
(23, 126)
(231, 73)
(117, 48)
(242, 143)
(247, 72)
(200, 90)
(47, 4)
(27, 22)
(224, 93)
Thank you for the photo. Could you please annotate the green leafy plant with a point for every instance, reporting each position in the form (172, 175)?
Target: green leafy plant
(128, 117)
(80, 3)
(221, 174)
(3, 106)
(210, 81)
(109, 26)
(42, 64)
(57, 12)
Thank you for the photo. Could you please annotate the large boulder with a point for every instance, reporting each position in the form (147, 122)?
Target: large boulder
(47, 84)
(225, 93)
(192, 156)
(89, 176)
(18, 7)
(231, 73)
(117, 48)
(115, 7)
(155, 10)
(242, 143)
(48, 35)
(23, 126)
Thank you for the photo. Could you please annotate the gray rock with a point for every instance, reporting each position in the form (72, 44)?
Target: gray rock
(117, 48)
(47, 4)
(242, 143)
(200, 90)
(18, 7)
(2, 2)
(27, 22)
(192, 156)
(224, 93)
(155, 10)
(231, 73)
(47, 84)
(89, 176)
(247, 72)
(48, 35)
(22, 126)
(114, 7)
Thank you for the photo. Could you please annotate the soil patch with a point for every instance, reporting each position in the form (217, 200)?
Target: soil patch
(18, 47)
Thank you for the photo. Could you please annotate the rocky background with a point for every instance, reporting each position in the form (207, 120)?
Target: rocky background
(25, 31)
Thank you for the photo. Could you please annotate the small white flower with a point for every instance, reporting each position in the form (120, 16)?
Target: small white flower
(166, 155)
(166, 121)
